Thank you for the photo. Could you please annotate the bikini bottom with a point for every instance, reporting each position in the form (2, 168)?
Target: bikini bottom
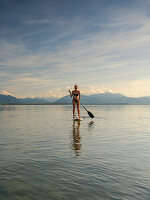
(76, 101)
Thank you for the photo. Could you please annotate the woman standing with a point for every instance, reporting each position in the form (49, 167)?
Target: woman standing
(76, 100)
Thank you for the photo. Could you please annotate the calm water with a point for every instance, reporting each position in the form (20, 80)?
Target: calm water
(44, 155)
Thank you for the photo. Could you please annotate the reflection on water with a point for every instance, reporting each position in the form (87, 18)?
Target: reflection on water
(91, 124)
(44, 155)
(76, 138)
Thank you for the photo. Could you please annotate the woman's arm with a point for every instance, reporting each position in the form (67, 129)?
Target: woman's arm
(79, 95)
(70, 93)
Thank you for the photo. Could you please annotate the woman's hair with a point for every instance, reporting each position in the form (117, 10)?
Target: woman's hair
(75, 86)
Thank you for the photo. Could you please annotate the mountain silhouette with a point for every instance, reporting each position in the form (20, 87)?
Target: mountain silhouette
(8, 99)
(106, 98)
(102, 98)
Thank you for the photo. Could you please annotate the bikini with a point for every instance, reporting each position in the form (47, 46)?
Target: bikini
(76, 100)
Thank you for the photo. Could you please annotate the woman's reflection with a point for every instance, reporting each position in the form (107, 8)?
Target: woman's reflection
(76, 145)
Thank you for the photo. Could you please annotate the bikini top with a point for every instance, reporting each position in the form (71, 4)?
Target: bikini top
(75, 94)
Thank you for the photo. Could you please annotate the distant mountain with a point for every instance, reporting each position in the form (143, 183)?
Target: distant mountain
(8, 99)
(106, 98)
(33, 101)
(65, 99)
(102, 98)
(51, 99)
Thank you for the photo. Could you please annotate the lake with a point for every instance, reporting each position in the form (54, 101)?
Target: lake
(45, 155)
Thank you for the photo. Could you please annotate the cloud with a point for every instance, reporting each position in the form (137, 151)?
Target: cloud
(132, 88)
(10, 50)
(39, 21)
(6, 93)
(85, 90)
(89, 90)
(2, 74)
(100, 51)
(96, 50)
(57, 92)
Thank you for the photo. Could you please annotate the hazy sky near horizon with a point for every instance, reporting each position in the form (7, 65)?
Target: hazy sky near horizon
(47, 46)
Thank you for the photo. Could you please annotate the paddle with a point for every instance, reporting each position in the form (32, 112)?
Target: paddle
(89, 113)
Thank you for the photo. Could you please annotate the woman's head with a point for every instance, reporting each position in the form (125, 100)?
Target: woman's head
(75, 87)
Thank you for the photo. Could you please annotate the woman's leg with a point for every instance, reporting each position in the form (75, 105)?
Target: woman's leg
(78, 107)
(73, 108)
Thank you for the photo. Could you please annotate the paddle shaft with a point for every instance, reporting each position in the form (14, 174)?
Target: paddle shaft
(84, 107)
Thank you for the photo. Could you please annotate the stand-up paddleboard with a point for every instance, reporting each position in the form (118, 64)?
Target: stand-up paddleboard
(76, 118)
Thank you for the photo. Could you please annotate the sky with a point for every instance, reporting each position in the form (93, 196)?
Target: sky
(48, 46)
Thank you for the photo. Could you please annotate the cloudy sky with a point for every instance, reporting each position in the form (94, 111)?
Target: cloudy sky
(47, 46)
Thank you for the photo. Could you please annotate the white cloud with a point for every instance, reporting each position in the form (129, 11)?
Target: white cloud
(6, 93)
(58, 92)
(133, 88)
(88, 90)
(9, 50)
(85, 90)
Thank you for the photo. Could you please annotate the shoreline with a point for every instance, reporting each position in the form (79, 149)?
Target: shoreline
(71, 104)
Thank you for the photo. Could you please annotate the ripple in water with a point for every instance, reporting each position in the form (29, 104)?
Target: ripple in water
(45, 155)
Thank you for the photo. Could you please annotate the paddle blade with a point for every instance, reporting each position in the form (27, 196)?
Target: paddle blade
(90, 114)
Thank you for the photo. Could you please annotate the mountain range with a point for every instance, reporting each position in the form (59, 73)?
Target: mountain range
(8, 99)
(102, 98)
(107, 98)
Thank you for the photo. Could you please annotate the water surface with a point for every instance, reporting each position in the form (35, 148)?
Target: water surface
(45, 155)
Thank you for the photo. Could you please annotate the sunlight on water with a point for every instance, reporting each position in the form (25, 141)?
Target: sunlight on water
(45, 155)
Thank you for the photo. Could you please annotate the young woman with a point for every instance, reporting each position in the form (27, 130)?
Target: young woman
(76, 100)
